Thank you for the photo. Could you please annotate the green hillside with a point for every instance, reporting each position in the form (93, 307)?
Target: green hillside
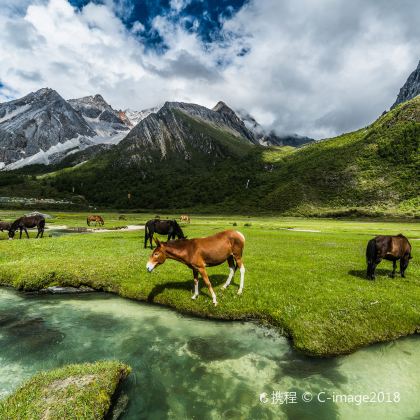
(374, 170)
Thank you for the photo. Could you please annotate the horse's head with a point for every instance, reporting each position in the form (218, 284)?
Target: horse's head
(12, 233)
(178, 231)
(158, 256)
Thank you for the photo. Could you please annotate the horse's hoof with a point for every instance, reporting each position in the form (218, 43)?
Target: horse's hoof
(215, 303)
(239, 292)
(193, 297)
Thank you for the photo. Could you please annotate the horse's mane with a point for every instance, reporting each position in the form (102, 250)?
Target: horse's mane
(15, 224)
(176, 243)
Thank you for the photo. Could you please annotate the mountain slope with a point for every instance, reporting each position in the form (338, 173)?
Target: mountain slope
(373, 169)
(42, 124)
(376, 167)
(183, 130)
(410, 89)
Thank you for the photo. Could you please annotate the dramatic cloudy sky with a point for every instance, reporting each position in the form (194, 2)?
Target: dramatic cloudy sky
(317, 68)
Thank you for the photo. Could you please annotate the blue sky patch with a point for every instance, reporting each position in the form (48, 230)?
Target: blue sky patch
(203, 17)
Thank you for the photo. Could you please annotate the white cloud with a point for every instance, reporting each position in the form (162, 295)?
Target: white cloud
(316, 68)
(137, 27)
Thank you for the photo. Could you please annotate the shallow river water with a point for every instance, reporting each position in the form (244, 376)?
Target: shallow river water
(186, 368)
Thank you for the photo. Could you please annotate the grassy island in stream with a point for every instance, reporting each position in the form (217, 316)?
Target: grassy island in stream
(81, 391)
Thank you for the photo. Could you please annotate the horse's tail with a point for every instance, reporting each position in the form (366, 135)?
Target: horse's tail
(371, 254)
(146, 234)
(371, 251)
(87, 221)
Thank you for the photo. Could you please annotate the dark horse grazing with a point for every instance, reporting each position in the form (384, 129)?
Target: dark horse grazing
(391, 248)
(163, 227)
(200, 253)
(95, 218)
(5, 226)
(25, 222)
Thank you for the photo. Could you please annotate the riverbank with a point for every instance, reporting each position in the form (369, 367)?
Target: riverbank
(73, 391)
(305, 277)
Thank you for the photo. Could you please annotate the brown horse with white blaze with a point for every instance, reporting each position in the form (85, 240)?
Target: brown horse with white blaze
(200, 253)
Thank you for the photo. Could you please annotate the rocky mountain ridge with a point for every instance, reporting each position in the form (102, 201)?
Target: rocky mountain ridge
(39, 127)
(410, 89)
(44, 128)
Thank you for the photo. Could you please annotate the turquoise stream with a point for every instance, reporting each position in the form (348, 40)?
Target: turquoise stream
(187, 368)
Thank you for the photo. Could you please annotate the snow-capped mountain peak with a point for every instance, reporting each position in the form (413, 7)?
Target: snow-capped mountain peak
(37, 122)
(108, 123)
(136, 116)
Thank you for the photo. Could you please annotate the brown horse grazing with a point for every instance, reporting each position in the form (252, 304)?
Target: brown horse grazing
(200, 253)
(25, 222)
(392, 248)
(95, 218)
(185, 218)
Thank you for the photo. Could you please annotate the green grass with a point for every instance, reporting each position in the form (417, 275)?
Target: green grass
(310, 285)
(82, 391)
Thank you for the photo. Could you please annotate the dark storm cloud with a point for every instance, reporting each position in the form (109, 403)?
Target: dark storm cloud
(21, 35)
(33, 76)
(187, 66)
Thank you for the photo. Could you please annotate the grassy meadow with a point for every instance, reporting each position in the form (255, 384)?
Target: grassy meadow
(304, 276)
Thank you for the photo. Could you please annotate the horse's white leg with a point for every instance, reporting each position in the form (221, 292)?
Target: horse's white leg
(232, 269)
(230, 277)
(241, 285)
(207, 281)
(195, 295)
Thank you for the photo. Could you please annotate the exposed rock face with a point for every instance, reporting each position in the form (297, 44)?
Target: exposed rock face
(37, 123)
(410, 89)
(233, 121)
(169, 132)
(109, 125)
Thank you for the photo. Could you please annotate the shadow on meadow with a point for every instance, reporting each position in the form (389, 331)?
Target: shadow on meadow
(215, 279)
(361, 274)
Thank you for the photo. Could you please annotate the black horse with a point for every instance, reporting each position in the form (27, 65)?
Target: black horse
(163, 227)
(5, 226)
(25, 222)
(391, 248)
